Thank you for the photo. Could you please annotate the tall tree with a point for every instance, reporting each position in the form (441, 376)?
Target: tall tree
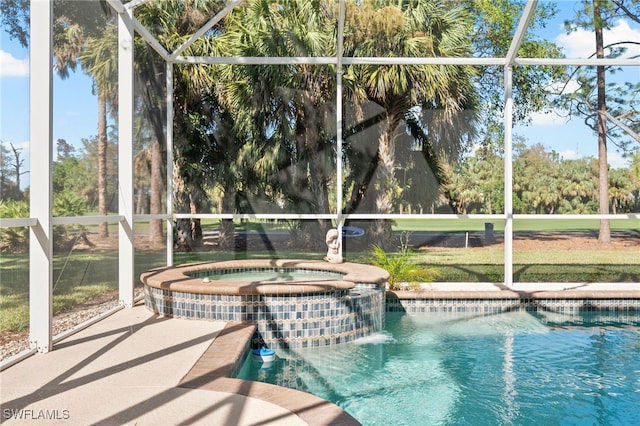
(596, 91)
(604, 234)
(99, 59)
(303, 98)
(392, 93)
(10, 171)
(17, 163)
(172, 23)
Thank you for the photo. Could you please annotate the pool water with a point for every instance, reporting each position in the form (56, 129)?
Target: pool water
(276, 275)
(516, 368)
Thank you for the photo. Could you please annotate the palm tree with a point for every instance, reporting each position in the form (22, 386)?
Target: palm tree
(395, 29)
(99, 59)
(78, 27)
(172, 23)
(278, 146)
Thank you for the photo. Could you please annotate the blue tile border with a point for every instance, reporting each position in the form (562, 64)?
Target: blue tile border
(495, 305)
(292, 321)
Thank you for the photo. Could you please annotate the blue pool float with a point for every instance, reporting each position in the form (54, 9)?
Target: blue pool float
(352, 231)
(264, 354)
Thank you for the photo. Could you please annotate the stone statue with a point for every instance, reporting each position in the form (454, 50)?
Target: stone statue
(333, 247)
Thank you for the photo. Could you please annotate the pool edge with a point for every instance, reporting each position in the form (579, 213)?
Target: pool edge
(214, 370)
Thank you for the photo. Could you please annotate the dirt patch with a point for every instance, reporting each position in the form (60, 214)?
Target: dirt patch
(577, 241)
(531, 241)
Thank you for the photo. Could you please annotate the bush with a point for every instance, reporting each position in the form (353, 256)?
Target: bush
(402, 267)
(67, 204)
(14, 240)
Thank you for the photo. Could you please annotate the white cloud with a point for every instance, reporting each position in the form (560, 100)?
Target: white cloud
(13, 67)
(569, 154)
(581, 43)
(551, 118)
(616, 161)
(22, 147)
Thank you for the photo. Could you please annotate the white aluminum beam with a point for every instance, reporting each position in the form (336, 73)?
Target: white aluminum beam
(18, 222)
(135, 3)
(339, 122)
(169, 142)
(576, 216)
(412, 216)
(41, 159)
(333, 60)
(563, 62)
(125, 158)
(146, 35)
(521, 30)
(372, 216)
(508, 176)
(206, 27)
(116, 5)
(75, 220)
(289, 216)
(144, 217)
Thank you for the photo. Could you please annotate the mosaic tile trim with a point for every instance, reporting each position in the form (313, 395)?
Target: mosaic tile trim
(294, 321)
(504, 305)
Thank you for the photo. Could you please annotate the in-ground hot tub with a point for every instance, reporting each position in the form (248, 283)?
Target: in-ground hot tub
(296, 303)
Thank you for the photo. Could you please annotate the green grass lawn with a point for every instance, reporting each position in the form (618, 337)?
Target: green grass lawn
(79, 278)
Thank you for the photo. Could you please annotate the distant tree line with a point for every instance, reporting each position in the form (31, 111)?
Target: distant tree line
(543, 183)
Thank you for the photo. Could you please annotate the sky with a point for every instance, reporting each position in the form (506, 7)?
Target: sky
(75, 106)
(573, 139)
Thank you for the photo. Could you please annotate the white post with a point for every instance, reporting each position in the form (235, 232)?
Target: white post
(508, 176)
(126, 277)
(169, 142)
(41, 159)
(339, 135)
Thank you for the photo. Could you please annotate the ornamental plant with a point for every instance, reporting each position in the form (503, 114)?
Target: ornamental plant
(402, 267)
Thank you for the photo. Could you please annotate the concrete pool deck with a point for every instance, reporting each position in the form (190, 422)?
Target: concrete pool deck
(135, 367)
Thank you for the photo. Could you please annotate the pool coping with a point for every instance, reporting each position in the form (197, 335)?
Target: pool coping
(176, 278)
(221, 360)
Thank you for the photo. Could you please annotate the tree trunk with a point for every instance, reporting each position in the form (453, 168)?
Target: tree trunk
(604, 236)
(185, 195)
(227, 227)
(16, 166)
(381, 232)
(317, 176)
(155, 195)
(102, 164)
(183, 238)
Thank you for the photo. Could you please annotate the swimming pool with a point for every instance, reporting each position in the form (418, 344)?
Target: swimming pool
(509, 368)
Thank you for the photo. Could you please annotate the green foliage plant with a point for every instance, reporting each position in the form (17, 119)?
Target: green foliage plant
(67, 204)
(14, 240)
(402, 267)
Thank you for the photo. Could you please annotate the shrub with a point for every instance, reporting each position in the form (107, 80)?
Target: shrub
(402, 267)
(14, 240)
(67, 204)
